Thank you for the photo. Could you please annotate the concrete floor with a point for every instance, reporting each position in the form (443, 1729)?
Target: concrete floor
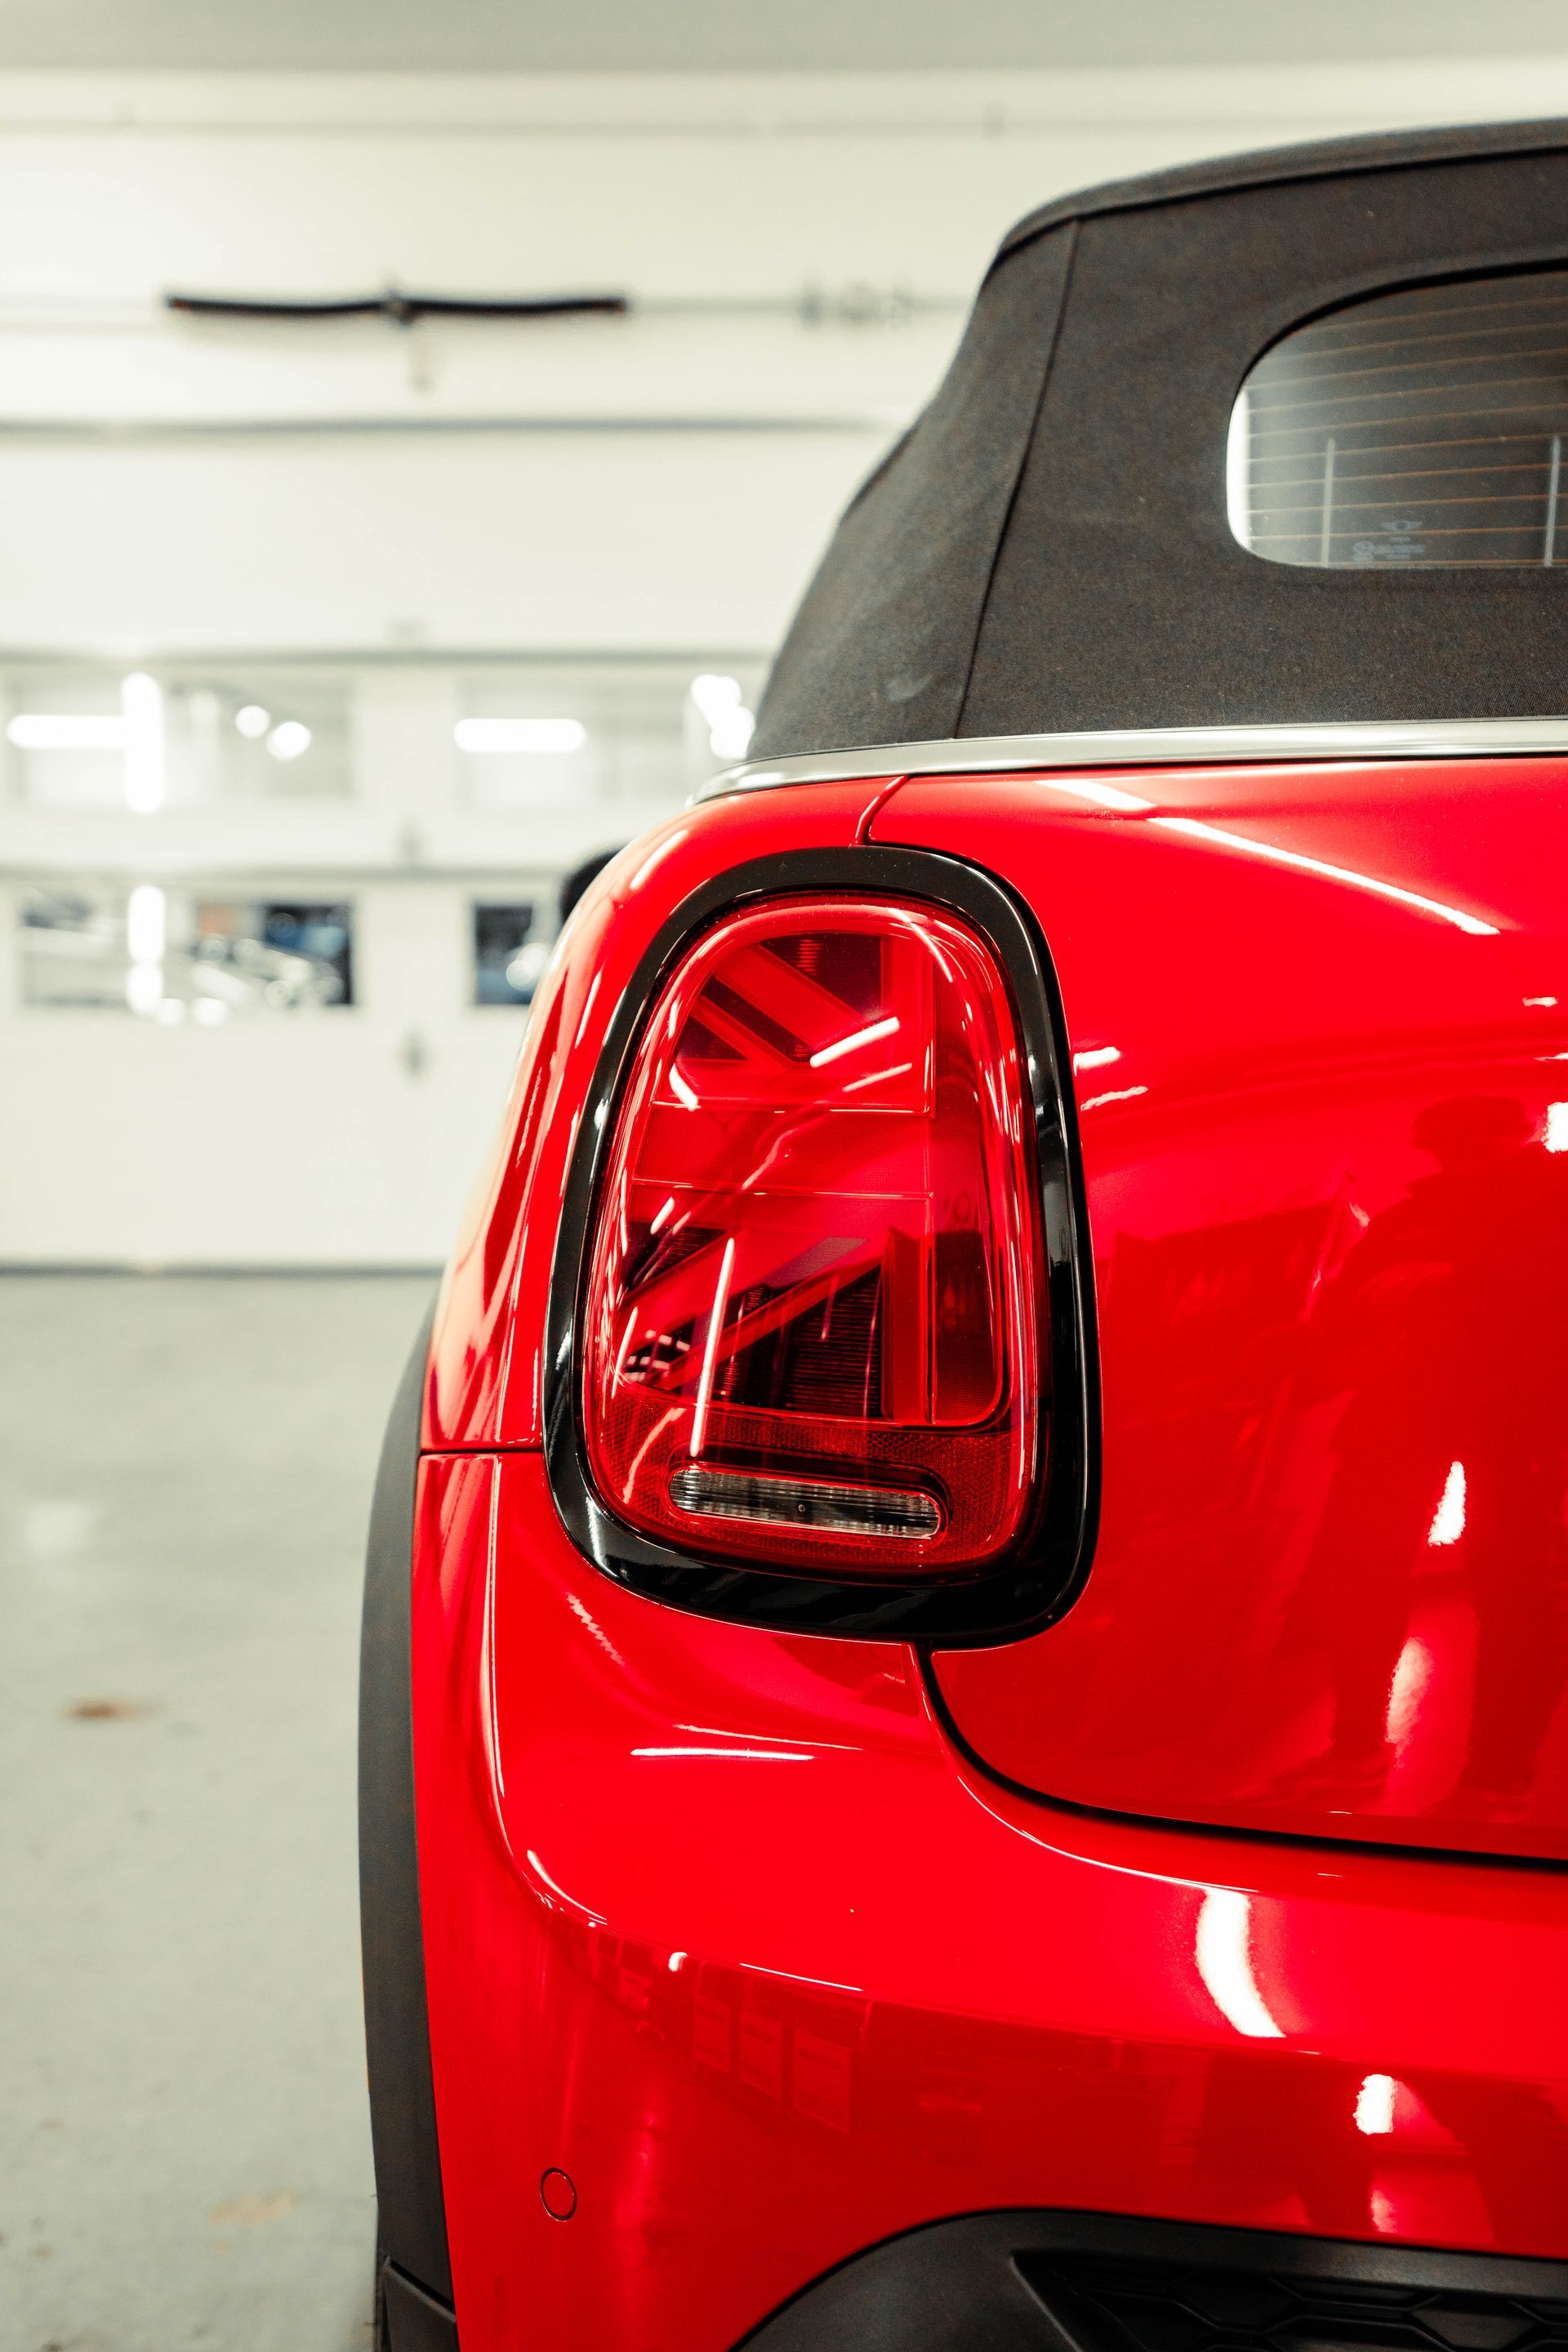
(186, 1465)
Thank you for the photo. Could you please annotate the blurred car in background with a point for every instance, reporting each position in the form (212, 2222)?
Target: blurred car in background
(173, 953)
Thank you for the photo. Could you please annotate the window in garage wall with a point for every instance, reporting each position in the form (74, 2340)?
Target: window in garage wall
(512, 947)
(175, 954)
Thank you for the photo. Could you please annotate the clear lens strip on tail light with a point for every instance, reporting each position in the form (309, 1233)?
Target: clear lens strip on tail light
(812, 1324)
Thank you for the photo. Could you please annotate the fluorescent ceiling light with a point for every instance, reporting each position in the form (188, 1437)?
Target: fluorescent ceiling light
(520, 734)
(144, 987)
(1238, 470)
(142, 703)
(289, 739)
(730, 724)
(137, 734)
(714, 695)
(146, 924)
(1225, 1963)
(43, 730)
(252, 721)
(1375, 2105)
(729, 736)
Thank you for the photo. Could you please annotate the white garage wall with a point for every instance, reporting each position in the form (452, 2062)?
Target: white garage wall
(799, 249)
(561, 541)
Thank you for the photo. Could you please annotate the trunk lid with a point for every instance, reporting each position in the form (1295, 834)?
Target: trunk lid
(1318, 1020)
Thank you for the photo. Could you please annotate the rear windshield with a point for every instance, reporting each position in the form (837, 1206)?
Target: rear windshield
(1419, 428)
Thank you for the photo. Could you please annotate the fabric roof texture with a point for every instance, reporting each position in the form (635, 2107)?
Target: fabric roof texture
(1047, 549)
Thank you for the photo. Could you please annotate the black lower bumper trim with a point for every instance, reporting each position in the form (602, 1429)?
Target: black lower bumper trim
(1032, 2282)
(411, 2320)
(412, 2216)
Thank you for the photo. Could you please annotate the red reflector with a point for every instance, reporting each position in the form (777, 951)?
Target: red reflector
(812, 1327)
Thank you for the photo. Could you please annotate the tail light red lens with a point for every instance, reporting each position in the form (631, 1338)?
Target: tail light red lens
(813, 1323)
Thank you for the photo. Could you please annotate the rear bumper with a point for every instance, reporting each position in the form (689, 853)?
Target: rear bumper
(1037, 2282)
(718, 1926)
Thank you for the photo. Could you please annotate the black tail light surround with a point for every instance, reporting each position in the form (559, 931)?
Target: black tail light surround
(819, 1353)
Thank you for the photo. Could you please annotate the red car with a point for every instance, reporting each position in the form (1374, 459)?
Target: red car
(965, 1739)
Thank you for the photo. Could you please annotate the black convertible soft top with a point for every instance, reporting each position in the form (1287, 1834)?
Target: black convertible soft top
(1047, 548)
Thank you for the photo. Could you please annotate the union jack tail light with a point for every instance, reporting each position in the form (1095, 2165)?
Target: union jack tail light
(813, 1324)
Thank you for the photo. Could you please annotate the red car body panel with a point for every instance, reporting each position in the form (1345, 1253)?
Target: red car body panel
(717, 1923)
(724, 1925)
(1321, 1020)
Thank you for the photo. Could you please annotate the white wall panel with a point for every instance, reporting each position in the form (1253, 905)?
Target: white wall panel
(589, 541)
(304, 1142)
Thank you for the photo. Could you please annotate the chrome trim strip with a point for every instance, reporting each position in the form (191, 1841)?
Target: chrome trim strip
(1151, 746)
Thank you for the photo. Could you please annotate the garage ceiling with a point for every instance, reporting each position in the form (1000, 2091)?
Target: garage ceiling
(621, 36)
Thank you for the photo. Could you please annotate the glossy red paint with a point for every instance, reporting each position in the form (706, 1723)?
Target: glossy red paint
(721, 1925)
(717, 1923)
(1319, 1020)
(483, 1382)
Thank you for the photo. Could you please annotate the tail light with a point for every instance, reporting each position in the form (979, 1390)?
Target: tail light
(814, 1313)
